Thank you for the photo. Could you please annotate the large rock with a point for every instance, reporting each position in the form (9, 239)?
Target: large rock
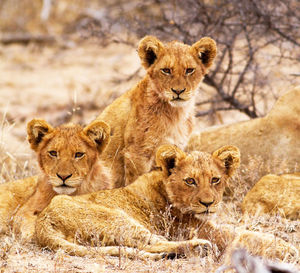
(274, 195)
(273, 139)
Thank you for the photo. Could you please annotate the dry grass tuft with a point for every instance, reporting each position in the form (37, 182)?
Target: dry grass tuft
(14, 156)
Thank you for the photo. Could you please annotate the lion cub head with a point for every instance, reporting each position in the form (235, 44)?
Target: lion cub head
(67, 154)
(176, 69)
(195, 182)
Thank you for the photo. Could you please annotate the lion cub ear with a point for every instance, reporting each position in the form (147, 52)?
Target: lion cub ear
(206, 51)
(37, 129)
(149, 48)
(167, 157)
(231, 157)
(99, 132)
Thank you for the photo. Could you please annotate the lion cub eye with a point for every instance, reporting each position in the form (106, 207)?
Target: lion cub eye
(190, 181)
(79, 155)
(215, 180)
(53, 153)
(166, 71)
(189, 71)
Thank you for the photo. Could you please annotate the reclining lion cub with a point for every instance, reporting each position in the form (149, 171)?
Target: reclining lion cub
(192, 184)
(68, 157)
(159, 109)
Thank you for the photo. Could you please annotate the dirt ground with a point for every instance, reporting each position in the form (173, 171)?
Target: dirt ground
(75, 83)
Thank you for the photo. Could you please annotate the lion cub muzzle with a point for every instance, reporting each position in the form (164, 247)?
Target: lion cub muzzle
(206, 204)
(64, 184)
(63, 177)
(177, 93)
(207, 208)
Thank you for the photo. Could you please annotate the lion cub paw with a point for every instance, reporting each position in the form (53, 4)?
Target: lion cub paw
(195, 247)
(24, 230)
(202, 247)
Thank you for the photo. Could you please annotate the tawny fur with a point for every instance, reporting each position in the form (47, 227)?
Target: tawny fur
(69, 161)
(151, 114)
(274, 194)
(13, 195)
(273, 139)
(259, 244)
(132, 216)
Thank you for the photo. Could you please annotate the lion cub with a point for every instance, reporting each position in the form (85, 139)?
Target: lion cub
(159, 109)
(68, 158)
(192, 184)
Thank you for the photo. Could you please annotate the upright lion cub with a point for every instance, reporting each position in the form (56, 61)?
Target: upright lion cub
(159, 109)
(68, 157)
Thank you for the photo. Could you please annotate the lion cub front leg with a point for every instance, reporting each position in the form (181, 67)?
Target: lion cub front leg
(158, 245)
(24, 219)
(13, 195)
(24, 224)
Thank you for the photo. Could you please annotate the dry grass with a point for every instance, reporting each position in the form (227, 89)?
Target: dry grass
(17, 257)
(75, 84)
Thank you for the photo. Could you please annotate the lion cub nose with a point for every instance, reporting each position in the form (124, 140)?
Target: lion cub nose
(206, 204)
(63, 177)
(178, 91)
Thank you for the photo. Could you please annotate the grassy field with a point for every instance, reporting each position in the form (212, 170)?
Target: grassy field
(75, 83)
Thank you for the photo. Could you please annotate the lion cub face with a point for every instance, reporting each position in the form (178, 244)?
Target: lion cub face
(176, 69)
(196, 181)
(67, 154)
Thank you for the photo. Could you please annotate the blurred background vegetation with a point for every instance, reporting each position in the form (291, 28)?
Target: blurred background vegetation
(258, 41)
